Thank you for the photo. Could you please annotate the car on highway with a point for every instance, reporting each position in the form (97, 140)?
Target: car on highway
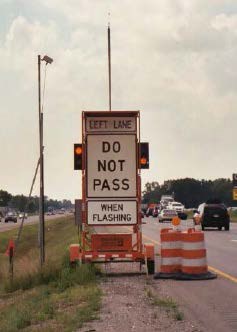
(155, 212)
(21, 215)
(165, 200)
(167, 215)
(10, 216)
(182, 215)
(213, 213)
(177, 206)
(149, 212)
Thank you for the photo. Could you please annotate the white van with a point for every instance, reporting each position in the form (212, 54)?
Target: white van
(178, 207)
(166, 200)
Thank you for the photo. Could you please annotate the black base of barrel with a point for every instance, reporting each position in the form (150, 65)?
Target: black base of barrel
(201, 276)
(185, 276)
(162, 275)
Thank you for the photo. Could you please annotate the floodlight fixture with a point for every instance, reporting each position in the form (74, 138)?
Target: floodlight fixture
(47, 59)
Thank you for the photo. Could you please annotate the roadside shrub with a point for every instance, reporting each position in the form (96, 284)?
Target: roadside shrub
(20, 319)
(61, 277)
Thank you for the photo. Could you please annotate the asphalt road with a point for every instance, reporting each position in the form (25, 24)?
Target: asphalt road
(29, 221)
(211, 303)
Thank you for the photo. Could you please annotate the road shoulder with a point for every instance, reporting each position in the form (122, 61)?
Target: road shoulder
(136, 302)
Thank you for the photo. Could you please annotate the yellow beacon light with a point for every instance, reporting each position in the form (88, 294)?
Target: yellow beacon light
(78, 150)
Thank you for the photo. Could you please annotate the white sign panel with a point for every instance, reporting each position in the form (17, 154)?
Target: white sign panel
(112, 212)
(116, 124)
(111, 166)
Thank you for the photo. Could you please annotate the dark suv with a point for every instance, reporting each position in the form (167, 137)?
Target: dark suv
(213, 214)
(11, 216)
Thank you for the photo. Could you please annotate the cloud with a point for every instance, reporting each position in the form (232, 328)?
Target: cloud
(174, 60)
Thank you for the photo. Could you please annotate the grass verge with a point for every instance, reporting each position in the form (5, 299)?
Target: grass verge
(233, 216)
(168, 304)
(57, 297)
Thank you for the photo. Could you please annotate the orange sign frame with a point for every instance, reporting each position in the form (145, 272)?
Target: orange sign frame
(91, 245)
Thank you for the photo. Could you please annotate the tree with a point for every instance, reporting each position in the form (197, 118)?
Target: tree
(190, 192)
(5, 198)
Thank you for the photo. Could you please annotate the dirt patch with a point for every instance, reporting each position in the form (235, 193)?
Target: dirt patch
(136, 302)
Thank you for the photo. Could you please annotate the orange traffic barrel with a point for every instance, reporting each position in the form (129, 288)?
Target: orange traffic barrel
(183, 256)
(171, 249)
(194, 257)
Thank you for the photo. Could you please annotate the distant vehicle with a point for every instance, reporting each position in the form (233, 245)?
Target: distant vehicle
(149, 212)
(213, 213)
(165, 200)
(167, 215)
(61, 211)
(21, 215)
(50, 211)
(178, 207)
(155, 212)
(144, 207)
(11, 216)
(182, 215)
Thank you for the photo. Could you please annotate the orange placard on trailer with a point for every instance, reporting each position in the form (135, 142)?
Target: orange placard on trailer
(111, 242)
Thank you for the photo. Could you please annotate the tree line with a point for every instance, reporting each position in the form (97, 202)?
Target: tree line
(20, 202)
(189, 191)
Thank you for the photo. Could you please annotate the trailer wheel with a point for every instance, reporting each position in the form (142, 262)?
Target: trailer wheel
(151, 266)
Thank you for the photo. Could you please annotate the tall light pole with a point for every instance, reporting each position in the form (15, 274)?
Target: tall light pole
(109, 66)
(47, 59)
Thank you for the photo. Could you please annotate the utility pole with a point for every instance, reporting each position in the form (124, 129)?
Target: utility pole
(41, 200)
(49, 60)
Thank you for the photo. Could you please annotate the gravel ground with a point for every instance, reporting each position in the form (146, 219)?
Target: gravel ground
(128, 304)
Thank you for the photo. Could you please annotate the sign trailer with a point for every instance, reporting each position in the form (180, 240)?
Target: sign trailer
(111, 189)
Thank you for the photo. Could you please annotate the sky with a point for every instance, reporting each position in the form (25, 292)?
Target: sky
(174, 60)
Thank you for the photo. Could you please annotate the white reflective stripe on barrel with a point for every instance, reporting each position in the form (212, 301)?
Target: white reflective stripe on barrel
(194, 262)
(194, 245)
(171, 245)
(170, 261)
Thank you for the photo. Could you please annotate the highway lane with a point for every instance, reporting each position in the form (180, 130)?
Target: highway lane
(29, 221)
(221, 245)
(211, 303)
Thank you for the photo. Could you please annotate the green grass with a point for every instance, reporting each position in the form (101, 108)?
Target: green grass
(189, 214)
(59, 233)
(167, 304)
(58, 297)
(233, 216)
